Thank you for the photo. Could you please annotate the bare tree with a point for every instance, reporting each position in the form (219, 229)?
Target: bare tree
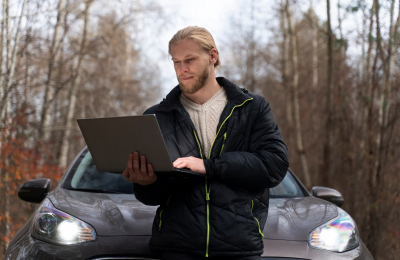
(49, 88)
(295, 96)
(285, 66)
(11, 65)
(385, 97)
(325, 162)
(314, 40)
(75, 83)
(3, 15)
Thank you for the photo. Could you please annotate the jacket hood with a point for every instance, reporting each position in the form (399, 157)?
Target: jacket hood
(109, 214)
(123, 215)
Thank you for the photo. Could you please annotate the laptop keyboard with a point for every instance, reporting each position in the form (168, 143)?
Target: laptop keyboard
(183, 169)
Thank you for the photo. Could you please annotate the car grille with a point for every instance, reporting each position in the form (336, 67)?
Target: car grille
(282, 258)
(146, 258)
(123, 258)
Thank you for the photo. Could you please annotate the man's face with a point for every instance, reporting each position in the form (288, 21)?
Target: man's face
(192, 65)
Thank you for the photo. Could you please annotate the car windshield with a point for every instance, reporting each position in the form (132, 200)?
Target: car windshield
(85, 177)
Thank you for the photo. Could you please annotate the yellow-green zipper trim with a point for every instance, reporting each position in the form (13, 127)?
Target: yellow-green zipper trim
(209, 154)
(159, 224)
(198, 143)
(223, 144)
(258, 223)
(208, 216)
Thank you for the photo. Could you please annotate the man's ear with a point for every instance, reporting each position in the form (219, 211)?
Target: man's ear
(213, 56)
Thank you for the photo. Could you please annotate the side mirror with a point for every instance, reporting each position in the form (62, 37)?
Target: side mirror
(328, 194)
(34, 190)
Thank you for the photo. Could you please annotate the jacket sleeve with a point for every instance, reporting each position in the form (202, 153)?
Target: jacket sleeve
(263, 166)
(153, 194)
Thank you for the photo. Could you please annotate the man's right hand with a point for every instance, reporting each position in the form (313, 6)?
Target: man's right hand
(142, 175)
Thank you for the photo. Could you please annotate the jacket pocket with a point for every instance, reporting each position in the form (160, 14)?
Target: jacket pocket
(258, 222)
(160, 214)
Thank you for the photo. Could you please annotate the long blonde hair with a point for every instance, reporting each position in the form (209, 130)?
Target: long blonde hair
(198, 34)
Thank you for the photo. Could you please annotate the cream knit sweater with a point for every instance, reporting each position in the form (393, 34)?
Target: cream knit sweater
(206, 117)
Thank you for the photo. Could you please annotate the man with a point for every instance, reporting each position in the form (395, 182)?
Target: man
(212, 127)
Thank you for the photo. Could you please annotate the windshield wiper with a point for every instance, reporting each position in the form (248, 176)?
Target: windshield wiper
(99, 191)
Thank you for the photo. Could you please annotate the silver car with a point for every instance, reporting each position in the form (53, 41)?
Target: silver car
(93, 216)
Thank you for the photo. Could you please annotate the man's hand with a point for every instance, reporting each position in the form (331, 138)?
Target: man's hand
(142, 175)
(193, 163)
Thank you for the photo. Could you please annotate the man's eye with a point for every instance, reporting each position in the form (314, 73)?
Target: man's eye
(189, 60)
(176, 62)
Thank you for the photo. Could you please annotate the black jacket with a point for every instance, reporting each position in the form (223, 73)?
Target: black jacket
(225, 212)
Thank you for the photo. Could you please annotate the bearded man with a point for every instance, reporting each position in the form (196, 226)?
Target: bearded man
(213, 127)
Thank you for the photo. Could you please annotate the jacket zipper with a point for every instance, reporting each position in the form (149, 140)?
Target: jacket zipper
(209, 155)
(159, 224)
(258, 223)
(223, 144)
(208, 189)
(208, 216)
(198, 143)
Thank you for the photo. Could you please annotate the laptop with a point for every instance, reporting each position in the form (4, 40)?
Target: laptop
(110, 140)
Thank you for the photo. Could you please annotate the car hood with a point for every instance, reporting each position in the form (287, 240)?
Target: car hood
(122, 214)
(294, 218)
(110, 214)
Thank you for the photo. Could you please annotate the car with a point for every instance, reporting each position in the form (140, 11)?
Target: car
(95, 216)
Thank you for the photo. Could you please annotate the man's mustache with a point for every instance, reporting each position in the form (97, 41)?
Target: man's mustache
(186, 76)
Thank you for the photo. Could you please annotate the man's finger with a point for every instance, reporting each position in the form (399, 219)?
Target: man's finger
(181, 165)
(130, 158)
(143, 169)
(177, 162)
(151, 170)
(136, 162)
(125, 173)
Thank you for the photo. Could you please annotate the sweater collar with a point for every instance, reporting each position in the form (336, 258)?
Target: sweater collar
(233, 92)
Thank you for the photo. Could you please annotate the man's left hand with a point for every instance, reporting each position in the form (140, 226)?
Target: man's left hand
(193, 163)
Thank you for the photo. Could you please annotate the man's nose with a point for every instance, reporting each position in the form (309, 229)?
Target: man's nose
(183, 68)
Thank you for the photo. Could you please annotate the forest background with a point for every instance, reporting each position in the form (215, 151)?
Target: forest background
(332, 79)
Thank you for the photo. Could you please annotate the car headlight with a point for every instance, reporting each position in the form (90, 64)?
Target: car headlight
(338, 235)
(54, 226)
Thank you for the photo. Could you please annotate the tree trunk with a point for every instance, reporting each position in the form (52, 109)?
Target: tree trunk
(74, 90)
(8, 34)
(2, 86)
(5, 25)
(314, 51)
(367, 83)
(250, 56)
(285, 69)
(11, 66)
(49, 89)
(372, 210)
(384, 107)
(393, 51)
(295, 97)
(325, 164)
(1, 52)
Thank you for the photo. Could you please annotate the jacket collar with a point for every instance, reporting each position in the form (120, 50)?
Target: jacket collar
(233, 92)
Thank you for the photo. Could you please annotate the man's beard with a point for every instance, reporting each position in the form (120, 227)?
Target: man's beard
(197, 85)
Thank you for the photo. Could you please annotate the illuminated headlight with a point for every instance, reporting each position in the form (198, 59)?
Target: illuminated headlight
(338, 235)
(54, 226)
